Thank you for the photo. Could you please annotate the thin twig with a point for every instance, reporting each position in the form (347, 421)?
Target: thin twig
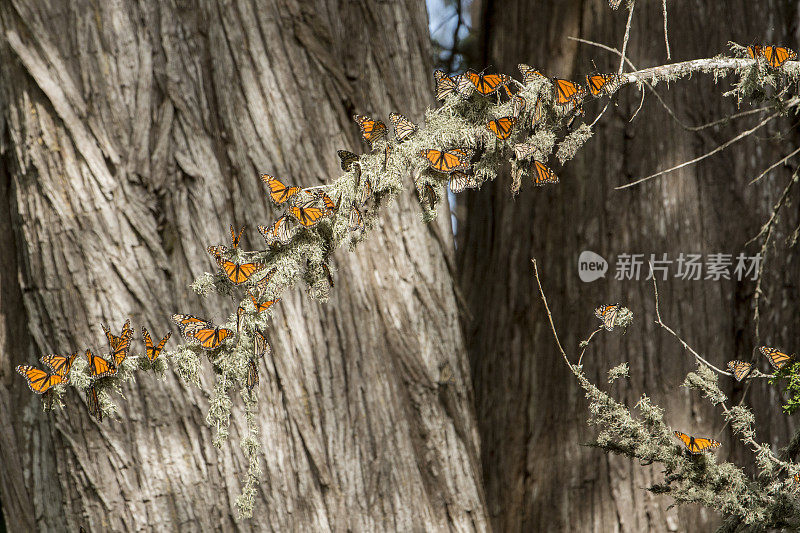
(696, 355)
(666, 38)
(625, 39)
(549, 315)
(586, 343)
(661, 100)
(766, 231)
(704, 156)
(775, 165)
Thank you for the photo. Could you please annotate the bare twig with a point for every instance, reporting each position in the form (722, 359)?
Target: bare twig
(666, 37)
(719, 148)
(696, 355)
(625, 39)
(775, 165)
(549, 315)
(661, 100)
(766, 231)
(586, 343)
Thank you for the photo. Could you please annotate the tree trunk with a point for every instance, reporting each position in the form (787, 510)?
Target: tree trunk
(531, 413)
(132, 135)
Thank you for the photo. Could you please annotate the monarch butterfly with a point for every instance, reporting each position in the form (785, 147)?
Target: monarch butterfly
(347, 159)
(278, 232)
(387, 153)
(38, 380)
(403, 128)
(113, 340)
(778, 55)
(235, 238)
(356, 222)
(529, 74)
(486, 84)
(217, 251)
(459, 181)
(365, 193)
(502, 127)
(797, 477)
(151, 351)
(260, 344)
(568, 92)
(307, 213)
(120, 351)
(278, 191)
(445, 85)
(754, 51)
(260, 287)
(777, 358)
(518, 104)
(252, 375)
(603, 83)
(538, 112)
(524, 151)
(261, 307)
(186, 320)
(327, 270)
(696, 445)
(429, 194)
(239, 315)
(329, 204)
(740, 369)
(93, 403)
(371, 130)
(543, 174)
(238, 273)
(209, 335)
(447, 161)
(607, 313)
(99, 367)
(59, 364)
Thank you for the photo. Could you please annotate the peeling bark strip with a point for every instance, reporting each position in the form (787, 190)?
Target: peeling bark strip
(531, 415)
(134, 135)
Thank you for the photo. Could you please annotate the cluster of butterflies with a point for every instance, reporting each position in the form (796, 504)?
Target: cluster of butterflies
(777, 358)
(775, 56)
(40, 381)
(567, 95)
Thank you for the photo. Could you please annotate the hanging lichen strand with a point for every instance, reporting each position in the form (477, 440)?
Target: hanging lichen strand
(485, 120)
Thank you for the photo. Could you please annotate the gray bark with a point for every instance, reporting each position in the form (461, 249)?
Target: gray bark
(531, 412)
(132, 135)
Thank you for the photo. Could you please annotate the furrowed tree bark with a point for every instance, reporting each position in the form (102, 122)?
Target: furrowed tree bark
(132, 135)
(532, 416)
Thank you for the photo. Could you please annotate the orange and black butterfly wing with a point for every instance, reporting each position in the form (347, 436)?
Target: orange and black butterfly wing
(445, 162)
(330, 205)
(151, 351)
(93, 403)
(778, 55)
(308, 213)
(602, 83)
(39, 381)
(486, 84)
(567, 92)
(529, 74)
(777, 358)
(252, 375)
(260, 344)
(261, 307)
(754, 51)
(210, 337)
(356, 222)
(445, 85)
(543, 175)
(234, 237)
(278, 191)
(371, 130)
(59, 364)
(99, 367)
(403, 127)
(119, 353)
(186, 320)
(502, 127)
(739, 369)
(700, 444)
(239, 273)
